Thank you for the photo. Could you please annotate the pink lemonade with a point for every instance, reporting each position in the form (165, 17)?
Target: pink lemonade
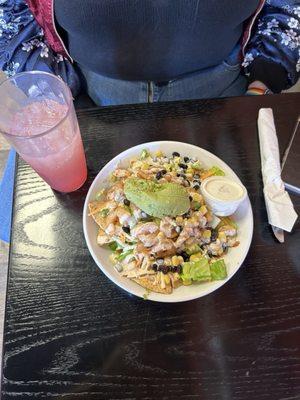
(57, 155)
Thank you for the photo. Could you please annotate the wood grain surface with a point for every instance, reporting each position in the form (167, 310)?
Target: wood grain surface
(70, 333)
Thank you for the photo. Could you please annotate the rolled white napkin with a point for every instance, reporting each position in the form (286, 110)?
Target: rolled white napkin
(281, 213)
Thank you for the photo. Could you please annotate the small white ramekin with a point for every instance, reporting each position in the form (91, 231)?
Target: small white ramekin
(220, 207)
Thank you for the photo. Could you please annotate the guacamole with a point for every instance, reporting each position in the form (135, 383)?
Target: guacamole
(157, 199)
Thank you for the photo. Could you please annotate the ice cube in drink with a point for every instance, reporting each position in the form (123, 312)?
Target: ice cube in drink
(51, 143)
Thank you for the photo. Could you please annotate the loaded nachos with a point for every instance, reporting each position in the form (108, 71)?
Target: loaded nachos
(155, 221)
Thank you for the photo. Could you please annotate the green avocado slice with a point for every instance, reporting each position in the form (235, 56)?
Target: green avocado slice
(157, 199)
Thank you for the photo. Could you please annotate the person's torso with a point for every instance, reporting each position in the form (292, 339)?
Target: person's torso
(151, 39)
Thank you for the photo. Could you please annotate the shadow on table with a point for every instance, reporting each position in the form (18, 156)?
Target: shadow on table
(74, 201)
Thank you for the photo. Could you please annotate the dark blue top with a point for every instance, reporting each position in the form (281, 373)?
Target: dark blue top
(151, 39)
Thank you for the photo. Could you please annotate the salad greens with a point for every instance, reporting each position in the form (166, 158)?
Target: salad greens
(218, 270)
(201, 270)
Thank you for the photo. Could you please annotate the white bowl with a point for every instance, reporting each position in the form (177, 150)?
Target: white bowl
(233, 259)
(222, 208)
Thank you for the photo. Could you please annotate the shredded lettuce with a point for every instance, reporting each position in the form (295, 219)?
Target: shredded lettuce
(113, 246)
(218, 270)
(124, 254)
(216, 171)
(197, 271)
(144, 154)
(195, 248)
(196, 165)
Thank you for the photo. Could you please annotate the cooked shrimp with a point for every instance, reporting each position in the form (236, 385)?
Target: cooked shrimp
(121, 173)
(216, 248)
(148, 240)
(102, 238)
(183, 236)
(124, 216)
(164, 247)
(110, 229)
(144, 229)
(167, 226)
(228, 230)
(116, 192)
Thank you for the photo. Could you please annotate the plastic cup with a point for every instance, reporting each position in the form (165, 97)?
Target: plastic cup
(38, 119)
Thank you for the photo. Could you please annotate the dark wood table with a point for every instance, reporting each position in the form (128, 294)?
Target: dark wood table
(70, 333)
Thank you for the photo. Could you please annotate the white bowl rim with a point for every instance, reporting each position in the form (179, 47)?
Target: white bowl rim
(163, 298)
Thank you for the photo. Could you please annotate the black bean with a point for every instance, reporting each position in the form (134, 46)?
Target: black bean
(178, 269)
(202, 246)
(214, 235)
(158, 175)
(209, 253)
(186, 159)
(225, 248)
(185, 256)
(126, 202)
(126, 229)
(154, 267)
(163, 172)
(196, 187)
(178, 175)
(196, 176)
(175, 154)
(190, 197)
(196, 182)
(183, 166)
(164, 269)
(183, 176)
(186, 215)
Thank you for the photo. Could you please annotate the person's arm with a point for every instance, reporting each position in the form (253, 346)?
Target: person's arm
(23, 46)
(272, 57)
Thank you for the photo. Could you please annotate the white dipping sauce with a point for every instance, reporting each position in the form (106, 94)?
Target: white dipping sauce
(224, 190)
(222, 194)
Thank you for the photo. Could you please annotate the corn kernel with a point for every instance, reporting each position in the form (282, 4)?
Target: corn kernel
(174, 261)
(179, 220)
(159, 153)
(145, 166)
(190, 171)
(195, 257)
(197, 197)
(206, 234)
(203, 210)
(168, 261)
(222, 237)
(167, 279)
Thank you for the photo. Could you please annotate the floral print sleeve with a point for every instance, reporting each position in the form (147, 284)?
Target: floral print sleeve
(276, 37)
(23, 46)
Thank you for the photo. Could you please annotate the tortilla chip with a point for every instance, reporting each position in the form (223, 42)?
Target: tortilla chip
(94, 209)
(177, 283)
(148, 282)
